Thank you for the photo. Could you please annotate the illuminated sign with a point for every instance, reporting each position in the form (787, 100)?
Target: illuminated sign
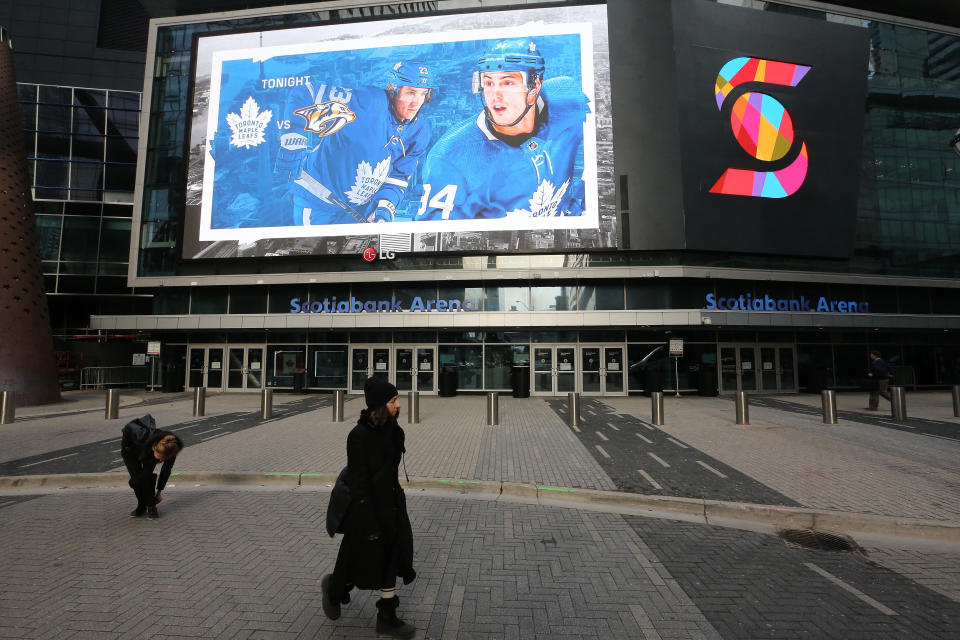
(763, 128)
(305, 139)
(356, 305)
(749, 302)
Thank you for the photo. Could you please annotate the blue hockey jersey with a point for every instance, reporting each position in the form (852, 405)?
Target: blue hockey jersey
(471, 174)
(359, 155)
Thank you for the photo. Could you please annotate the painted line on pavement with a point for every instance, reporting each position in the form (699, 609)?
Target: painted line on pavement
(647, 440)
(574, 427)
(941, 437)
(33, 464)
(710, 469)
(852, 589)
(207, 431)
(658, 458)
(895, 424)
(611, 425)
(602, 452)
(677, 442)
(602, 437)
(648, 478)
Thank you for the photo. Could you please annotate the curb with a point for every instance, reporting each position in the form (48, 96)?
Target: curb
(707, 511)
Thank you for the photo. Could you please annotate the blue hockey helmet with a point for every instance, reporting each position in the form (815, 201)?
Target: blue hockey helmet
(410, 73)
(512, 55)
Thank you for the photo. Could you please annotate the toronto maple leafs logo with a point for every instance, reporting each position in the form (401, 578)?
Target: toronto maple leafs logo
(326, 118)
(544, 201)
(368, 181)
(248, 127)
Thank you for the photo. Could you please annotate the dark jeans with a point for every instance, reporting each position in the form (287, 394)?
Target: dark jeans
(879, 390)
(142, 480)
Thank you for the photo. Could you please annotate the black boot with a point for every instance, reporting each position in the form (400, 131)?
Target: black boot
(389, 623)
(330, 603)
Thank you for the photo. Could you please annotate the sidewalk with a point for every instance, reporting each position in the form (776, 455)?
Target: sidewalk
(864, 466)
(530, 530)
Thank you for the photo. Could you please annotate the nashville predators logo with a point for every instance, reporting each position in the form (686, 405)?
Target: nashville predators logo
(326, 118)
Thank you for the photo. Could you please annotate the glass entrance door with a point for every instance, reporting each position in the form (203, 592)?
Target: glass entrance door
(244, 368)
(544, 371)
(786, 369)
(206, 367)
(601, 370)
(613, 379)
(366, 362)
(416, 369)
(554, 370)
(759, 368)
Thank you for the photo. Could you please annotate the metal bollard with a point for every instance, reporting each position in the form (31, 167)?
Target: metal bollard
(493, 409)
(656, 407)
(266, 404)
(743, 407)
(898, 403)
(7, 407)
(956, 400)
(573, 409)
(112, 410)
(338, 396)
(829, 399)
(413, 407)
(199, 401)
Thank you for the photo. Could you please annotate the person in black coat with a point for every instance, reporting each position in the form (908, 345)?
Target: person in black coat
(879, 381)
(377, 545)
(142, 447)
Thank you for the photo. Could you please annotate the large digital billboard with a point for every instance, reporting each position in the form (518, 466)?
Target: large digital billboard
(482, 131)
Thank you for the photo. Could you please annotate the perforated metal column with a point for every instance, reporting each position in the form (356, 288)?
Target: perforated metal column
(27, 364)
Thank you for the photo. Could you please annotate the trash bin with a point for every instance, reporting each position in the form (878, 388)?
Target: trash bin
(520, 381)
(448, 382)
(708, 380)
(299, 376)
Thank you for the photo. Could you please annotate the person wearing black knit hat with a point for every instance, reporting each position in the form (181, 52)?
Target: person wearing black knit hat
(377, 545)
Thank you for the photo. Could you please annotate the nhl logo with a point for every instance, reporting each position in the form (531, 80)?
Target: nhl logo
(532, 145)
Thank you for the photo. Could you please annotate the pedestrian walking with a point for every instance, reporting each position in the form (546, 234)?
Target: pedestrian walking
(377, 545)
(142, 447)
(879, 379)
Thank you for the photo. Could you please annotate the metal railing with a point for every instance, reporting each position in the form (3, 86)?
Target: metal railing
(105, 377)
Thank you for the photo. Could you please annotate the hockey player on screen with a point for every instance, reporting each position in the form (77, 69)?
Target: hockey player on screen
(517, 157)
(365, 144)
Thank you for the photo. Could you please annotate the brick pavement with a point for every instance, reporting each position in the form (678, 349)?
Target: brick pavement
(247, 564)
(852, 466)
(848, 467)
(452, 440)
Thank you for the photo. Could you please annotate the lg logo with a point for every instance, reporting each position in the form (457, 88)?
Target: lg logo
(370, 254)
(763, 127)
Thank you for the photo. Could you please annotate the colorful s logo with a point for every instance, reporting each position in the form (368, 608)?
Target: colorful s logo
(763, 127)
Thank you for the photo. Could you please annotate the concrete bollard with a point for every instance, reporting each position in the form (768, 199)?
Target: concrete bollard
(956, 400)
(338, 398)
(112, 410)
(742, 407)
(898, 403)
(266, 404)
(8, 407)
(199, 401)
(573, 409)
(413, 407)
(493, 409)
(656, 407)
(828, 398)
